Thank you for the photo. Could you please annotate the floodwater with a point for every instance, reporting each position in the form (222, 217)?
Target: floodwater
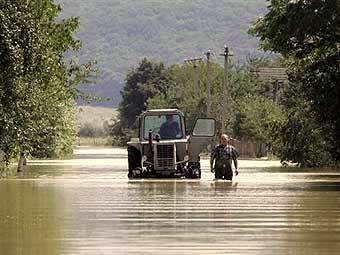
(88, 206)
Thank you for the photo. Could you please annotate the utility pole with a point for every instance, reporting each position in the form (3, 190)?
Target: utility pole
(226, 95)
(208, 87)
(194, 61)
(225, 77)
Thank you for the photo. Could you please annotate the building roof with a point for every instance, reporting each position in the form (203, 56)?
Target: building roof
(272, 74)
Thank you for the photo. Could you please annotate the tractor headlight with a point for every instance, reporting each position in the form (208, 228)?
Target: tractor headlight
(186, 158)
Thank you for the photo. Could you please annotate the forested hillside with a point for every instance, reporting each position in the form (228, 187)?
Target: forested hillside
(119, 33)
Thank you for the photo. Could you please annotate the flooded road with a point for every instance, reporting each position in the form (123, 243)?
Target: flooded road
(88, 206)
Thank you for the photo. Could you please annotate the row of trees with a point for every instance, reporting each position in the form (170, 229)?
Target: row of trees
(302, 126)
(37, 87)
(250, 111)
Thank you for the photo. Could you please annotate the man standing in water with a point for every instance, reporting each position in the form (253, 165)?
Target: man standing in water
(223, 155)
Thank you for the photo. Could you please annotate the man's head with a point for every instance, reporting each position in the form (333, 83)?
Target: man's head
(224, 139)
(169, 118)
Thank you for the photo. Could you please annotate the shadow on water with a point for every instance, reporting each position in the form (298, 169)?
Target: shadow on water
(315, 186)
(99, 156)
(299, 170)
(44, 171)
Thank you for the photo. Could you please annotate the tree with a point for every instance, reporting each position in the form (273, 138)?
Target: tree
(189, 95)
(186, 90)
(255, 118)
(306, 33)
(147, 80)
(37, 87)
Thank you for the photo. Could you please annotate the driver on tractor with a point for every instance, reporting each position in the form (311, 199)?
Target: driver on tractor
(169, 129)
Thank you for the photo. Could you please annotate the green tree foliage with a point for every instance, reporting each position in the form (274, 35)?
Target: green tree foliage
(306, 33)
(147, 80)
(189, 91)
(299, 27)
(255, 118)
(186, 94)
(248, 114)
(37, 88)
(299, 138)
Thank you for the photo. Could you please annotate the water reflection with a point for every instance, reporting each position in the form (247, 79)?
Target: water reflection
(88, 206)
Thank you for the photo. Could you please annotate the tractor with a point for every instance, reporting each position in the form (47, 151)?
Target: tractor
(164, 149)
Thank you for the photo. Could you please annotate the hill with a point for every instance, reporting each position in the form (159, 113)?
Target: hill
(119, 33)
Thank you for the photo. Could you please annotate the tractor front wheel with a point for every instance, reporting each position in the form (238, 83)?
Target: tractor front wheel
(134, 162)
(194, 170)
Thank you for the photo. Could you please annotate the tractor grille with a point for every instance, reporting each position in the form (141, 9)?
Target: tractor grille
(165, 156)
(165, 163)
(165, 151)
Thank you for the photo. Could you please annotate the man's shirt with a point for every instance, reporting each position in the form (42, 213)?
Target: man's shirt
(224, 152)
(169, 130)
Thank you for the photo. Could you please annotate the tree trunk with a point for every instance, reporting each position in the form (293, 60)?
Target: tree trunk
(22, 162)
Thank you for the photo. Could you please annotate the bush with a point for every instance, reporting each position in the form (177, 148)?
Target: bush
(90, 130)
(300, 140)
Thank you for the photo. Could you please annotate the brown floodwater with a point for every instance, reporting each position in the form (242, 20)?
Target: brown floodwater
(88, 206)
